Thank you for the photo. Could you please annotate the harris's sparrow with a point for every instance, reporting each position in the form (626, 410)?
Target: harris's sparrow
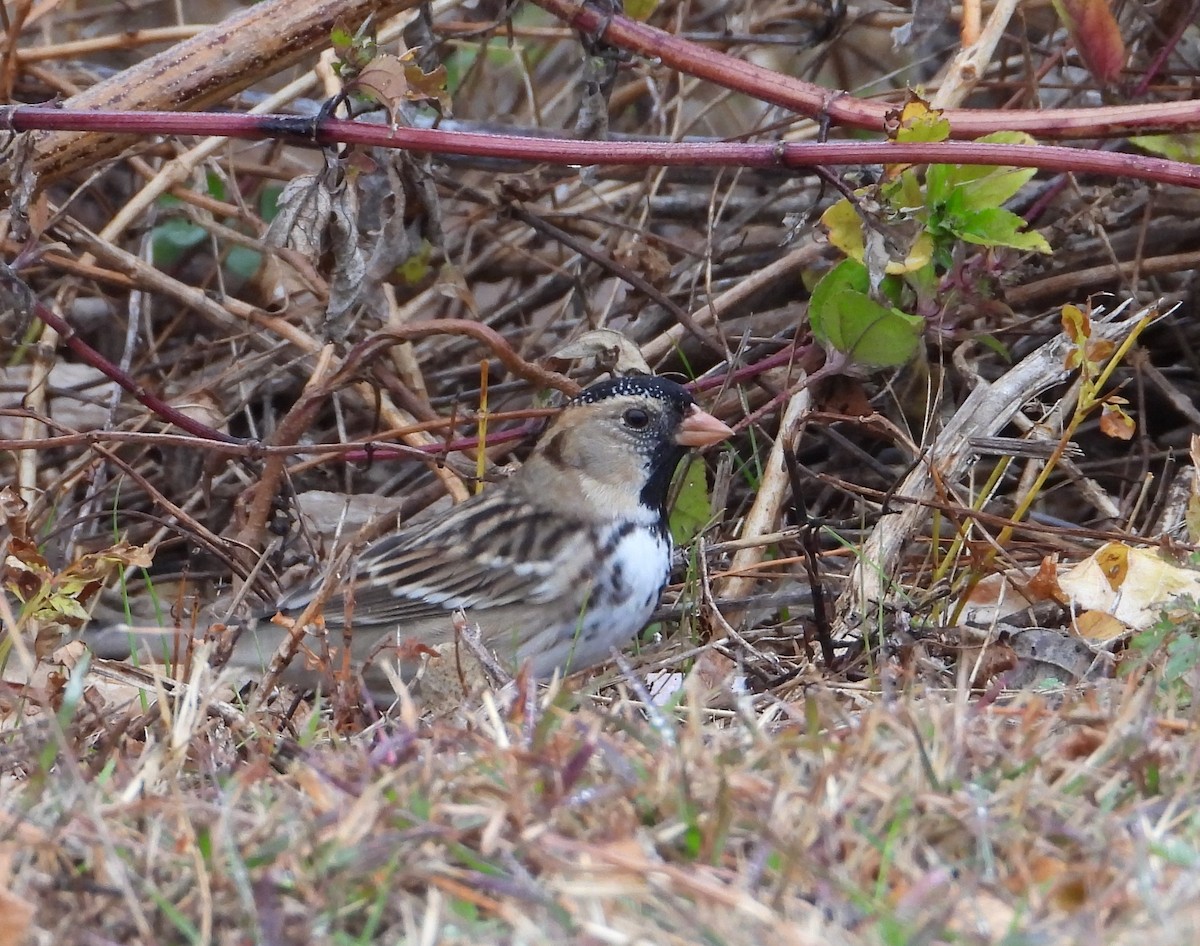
(558, 564)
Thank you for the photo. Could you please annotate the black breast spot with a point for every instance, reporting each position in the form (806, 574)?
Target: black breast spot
(616, 582)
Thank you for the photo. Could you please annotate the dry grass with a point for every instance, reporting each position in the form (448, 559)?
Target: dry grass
(823, 764)
(838, 817)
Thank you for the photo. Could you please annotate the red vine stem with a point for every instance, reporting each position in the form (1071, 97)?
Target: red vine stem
(839, 108)
(567, 151)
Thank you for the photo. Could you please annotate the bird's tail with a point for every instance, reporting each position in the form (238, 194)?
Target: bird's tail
(121, 641)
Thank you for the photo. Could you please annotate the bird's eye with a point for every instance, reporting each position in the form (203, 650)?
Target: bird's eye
(636, 418)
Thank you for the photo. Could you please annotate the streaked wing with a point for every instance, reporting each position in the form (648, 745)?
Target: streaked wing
(486, 553)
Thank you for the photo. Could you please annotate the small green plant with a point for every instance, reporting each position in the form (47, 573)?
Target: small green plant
(1172, 645)
(177, 235)
(904, 242)
(51, 600)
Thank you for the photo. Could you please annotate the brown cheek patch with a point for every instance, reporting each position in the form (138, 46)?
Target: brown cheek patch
(552, 449)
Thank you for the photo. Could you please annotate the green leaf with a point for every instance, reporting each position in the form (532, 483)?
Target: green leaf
(268, 202)
(995, 188)
(692, 506)
(904, 194)
(939, 184)
(243, 261)
(173, 238)
(1007, 138)
(990, 341)
(847, 275)
(998, 227)
(992, 184)
(1184, 147)
(67, 607)
(216, 185)
(877, 335)
(640, 10)
(845, 317)
(417, 268)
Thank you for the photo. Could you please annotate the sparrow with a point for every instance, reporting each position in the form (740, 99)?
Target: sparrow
(558, 565)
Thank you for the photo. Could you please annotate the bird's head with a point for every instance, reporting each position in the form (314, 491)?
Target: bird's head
(618, 442)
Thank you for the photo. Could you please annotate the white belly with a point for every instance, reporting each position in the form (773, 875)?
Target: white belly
(624, 593)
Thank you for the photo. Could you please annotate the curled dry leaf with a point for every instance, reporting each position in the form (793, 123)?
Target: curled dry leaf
(610, 350)
(391, 81)
(303, 212)
(382, 81)
(201, 406)
(1096, 35)
(13, 513)
(349, 260)
(1132, 585)
(1114, 422)
(314, 216)
(1000, 596)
